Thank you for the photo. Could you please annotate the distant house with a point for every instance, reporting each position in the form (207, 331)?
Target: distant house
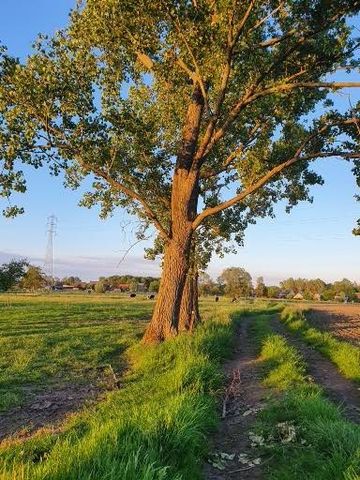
(317, 297)
(123, 287)
(298, 296)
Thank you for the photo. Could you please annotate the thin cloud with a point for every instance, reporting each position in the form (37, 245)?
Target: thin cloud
(92, 267)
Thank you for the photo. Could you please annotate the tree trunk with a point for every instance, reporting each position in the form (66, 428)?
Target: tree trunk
(184, 197)
(189, 308)
(165, 319)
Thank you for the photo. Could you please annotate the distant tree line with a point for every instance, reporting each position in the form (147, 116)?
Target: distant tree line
(20, 274)
(237, 282)
(233, 282)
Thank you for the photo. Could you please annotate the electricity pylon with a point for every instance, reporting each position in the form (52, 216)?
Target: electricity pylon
(49, 257)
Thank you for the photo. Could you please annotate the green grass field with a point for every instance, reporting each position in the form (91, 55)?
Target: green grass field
(158, 424)
(55, 339)
(154, 427)
(325, 446)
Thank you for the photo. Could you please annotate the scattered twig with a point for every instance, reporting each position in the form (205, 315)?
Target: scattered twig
(232, 390)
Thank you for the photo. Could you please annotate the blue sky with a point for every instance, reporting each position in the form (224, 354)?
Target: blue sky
(314, 240)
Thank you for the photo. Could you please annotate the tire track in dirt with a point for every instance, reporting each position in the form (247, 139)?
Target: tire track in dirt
(243, 394)
(339, 389)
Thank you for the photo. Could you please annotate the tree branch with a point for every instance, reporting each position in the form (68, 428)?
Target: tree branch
(197, 77)
(251, 96)
(263, 20)
(130, 193)
(243, 21)
(254, 133)
(263, 181)
(225, 76)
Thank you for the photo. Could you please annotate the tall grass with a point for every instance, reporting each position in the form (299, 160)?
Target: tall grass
(343, 354)
(155, 427)
(319, 444)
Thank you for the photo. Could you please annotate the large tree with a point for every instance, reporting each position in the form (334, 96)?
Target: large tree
(11, 273)
(189, 114)
(237, 281)
(34, 279)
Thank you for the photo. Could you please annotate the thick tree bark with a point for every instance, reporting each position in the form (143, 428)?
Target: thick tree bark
(189, 308)
(165, 319)
(184, 197)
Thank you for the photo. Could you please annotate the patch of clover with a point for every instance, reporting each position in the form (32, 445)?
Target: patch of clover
(286, 432)
(256, 440)
(253, 410)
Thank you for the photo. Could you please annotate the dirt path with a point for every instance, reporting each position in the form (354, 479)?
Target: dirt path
(339, 389)
(244, 395)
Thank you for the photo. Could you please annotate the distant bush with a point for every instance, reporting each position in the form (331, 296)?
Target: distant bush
(100, 287)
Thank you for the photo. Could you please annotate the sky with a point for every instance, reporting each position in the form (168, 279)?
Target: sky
(315, 240)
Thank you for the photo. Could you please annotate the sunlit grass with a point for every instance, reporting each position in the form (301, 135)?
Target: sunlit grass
(345, 355)
(60, 338)
(154, 427)
(326, 446)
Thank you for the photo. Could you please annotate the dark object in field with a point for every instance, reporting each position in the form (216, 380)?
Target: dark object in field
(132, 295)
(234, 300)
(151, 297)
(216, 299)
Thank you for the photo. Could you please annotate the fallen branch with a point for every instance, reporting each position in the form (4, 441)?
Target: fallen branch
(232, 390)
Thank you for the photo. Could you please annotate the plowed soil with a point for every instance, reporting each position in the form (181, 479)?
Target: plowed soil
(343, 320)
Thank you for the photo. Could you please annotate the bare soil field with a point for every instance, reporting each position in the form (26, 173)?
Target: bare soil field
(343, 320)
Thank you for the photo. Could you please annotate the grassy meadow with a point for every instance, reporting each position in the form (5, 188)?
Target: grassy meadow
(58, 338)
(154, 427)
(343, 354)
(157, 425)
(300, 423)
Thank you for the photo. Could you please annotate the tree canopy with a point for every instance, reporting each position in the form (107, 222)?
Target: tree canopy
(237, 281)
(11, 273)
(109, 95)
(33, 279)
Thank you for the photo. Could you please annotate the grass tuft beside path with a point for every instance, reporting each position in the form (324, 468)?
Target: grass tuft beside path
(345, 355)
(154, 427)
(304, 435)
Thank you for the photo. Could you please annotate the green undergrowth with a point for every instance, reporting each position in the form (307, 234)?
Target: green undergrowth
(343, 354)
(154, 427)
(303, 435)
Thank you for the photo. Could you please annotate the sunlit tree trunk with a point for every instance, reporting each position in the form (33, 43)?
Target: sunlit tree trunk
(189, 307)
(165, 319)
(184, 198)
